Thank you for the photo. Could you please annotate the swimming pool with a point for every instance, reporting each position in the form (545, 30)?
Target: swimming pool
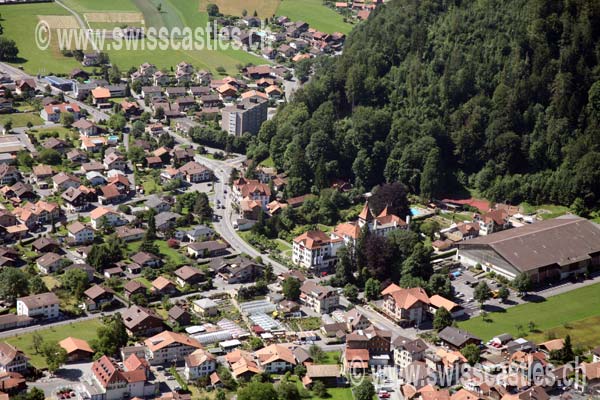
(416, 211)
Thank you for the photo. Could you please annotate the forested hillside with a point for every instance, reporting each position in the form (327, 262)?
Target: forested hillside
(498, 96)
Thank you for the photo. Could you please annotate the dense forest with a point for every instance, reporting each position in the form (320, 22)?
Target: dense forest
(502, 97)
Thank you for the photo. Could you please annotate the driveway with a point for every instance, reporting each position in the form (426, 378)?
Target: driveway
(68, 376)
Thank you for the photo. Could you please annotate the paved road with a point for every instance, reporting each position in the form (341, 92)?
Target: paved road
(224, 226)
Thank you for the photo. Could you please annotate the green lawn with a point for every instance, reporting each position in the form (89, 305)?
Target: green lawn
(546, 211)
(332, 393)
(172, 255)
(85, 330)
(315, 14)
(21, 119)
(61, 130)
(585, 332)
(548, 315)
(269, 163)
(332, 357)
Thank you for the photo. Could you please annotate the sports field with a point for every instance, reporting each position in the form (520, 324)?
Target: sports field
(559, 313)
(315, 14)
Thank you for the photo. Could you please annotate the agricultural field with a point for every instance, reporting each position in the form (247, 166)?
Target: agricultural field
(263, 8)
(20, 21)
(84, 6)
(568, 312)
(85, 330)
(315, 14)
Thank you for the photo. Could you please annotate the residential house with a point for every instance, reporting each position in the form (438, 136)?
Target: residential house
(492, 221)
(97, 297)
(195, 172)
(110, 382)
(199, 232)
(205, 307)
(134, 287)
(406, 306)
(275, 358)
(328, 375)
(211, 248)
(101, 215)
(456, 339)
(77, 156)
(77, 349)
(187, 275)
(157, 203)
(78, 199)
(49, 263)
(315, 250)
(86, 127)
(376, 341)
(151, 92)
(322, 299)
(249, 189)
(236, 270)
(407, 351)
(55, 144)
(45, 245)
(436, 302)
(128, 234)
(101, 96)
(169, 347)
(8, 174)
(140, 321)
(162, 286)
(146, 259)
(160, 78)
(166, 220)
(42, 172)
(198, 364)
(62, 181)
(79, 233)
(115, 161)
(178, 316)
(94, 145)
(40, 306)
(52, 112)
(12, 359)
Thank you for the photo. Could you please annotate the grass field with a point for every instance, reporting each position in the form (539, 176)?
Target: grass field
(315, 14)
(20, 21)
(264, 8)
(85, 330)
(551, 314)
(21, 119)
(585, 332)
(167, 16)
(83, 6)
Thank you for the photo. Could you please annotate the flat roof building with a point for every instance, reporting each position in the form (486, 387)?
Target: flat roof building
(246, 116)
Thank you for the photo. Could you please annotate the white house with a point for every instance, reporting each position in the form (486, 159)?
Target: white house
(100, 214)
(199, 363)
(169, 347)
(79, 233)
(44, 306)
(315, 250)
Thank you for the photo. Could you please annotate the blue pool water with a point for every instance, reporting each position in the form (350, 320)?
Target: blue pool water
(415, 211)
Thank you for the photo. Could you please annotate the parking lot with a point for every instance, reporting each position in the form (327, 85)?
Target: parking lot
(464, 287)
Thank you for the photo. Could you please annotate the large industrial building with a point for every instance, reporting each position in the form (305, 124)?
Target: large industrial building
(551, 249)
